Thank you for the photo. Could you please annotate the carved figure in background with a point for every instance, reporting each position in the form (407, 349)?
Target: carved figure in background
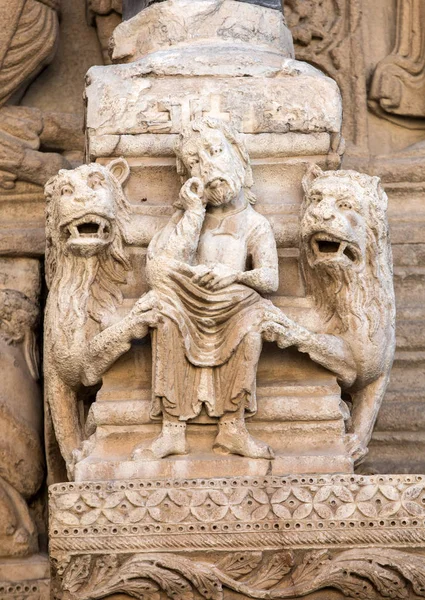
(30, 30)
(21, 453)
(105, 15)
(86, 264)
(398, 86)
(209, 267)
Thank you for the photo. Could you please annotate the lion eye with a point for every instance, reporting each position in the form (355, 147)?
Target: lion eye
(315, 199)
(67, 190)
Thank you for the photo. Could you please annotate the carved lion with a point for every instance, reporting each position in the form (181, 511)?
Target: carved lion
(347, 263)
(86, 265)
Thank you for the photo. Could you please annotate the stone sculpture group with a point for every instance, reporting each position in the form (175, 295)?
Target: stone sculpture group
(208, 271)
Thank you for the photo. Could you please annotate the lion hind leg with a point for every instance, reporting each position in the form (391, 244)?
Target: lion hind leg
(366, 405)
(62, 401)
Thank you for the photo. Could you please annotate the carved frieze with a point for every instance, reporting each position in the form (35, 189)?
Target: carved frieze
(361, 573)
(156, 534)
(298, 512)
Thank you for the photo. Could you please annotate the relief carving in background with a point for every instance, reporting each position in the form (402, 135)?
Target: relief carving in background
(105, 15)
(328, 35)
(30, 140)
(21, 451)
(397, 90)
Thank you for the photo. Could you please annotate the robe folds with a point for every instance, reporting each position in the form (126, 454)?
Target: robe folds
(207, 346)
(206, 349)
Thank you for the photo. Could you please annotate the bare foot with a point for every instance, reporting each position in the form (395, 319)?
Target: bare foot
(172, 440)
(233, 438)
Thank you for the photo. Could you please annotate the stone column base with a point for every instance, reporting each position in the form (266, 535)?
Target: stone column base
(242, 537)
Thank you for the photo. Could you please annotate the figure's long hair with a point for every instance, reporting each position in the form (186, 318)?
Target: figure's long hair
(341, 292)
(84, 287)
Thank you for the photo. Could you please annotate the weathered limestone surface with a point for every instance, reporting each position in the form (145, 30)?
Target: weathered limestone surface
(265, 537)
(132, 250)
(375, 53)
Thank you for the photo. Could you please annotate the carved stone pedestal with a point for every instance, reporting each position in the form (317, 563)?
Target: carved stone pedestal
(300, 417)
(241, 537)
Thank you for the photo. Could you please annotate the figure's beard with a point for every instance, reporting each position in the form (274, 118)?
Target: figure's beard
(223, 192)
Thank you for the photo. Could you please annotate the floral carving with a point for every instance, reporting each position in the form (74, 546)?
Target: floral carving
(366, 574)
(337, 498)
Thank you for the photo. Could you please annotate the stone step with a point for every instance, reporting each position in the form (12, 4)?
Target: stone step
(297, 438)
(276, 408)
(221, 466)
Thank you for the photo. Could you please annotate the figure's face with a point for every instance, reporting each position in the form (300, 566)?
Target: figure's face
(86, 211)
(333, 227)
(209, 156)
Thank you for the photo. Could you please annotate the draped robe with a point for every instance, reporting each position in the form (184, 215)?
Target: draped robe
(206, 350)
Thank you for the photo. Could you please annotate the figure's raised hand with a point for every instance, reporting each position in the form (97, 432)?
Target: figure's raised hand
(215, 278)
(191, 195)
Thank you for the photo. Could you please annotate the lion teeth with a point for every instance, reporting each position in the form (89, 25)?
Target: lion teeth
(73, 230)
(342, 247)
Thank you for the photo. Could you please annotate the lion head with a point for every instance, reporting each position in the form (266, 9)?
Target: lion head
(85, 255)
(345, 248)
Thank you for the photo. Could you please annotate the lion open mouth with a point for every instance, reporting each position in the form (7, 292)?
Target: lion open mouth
(90, 228)
(327, 248)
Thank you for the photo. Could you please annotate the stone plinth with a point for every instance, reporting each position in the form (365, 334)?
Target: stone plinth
(240, 537)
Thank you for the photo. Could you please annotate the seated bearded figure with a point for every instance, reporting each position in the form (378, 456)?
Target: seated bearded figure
(209, 267)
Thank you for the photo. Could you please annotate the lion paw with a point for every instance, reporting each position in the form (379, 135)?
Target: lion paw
(356, 448)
